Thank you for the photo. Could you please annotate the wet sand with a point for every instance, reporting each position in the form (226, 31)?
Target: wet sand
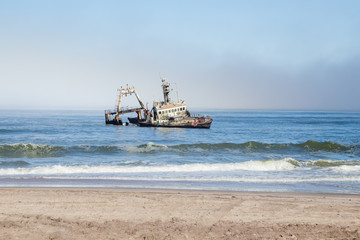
(170, 214)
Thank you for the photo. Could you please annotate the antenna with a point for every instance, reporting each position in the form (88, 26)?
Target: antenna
(177, 94)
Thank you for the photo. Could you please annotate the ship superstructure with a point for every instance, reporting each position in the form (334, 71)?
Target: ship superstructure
(173, 114)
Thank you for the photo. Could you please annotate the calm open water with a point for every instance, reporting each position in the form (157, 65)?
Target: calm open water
(243, 151)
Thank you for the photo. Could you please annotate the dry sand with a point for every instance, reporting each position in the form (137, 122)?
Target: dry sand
(161, 214)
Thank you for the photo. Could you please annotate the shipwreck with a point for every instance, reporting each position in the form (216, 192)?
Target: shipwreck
(164, 113)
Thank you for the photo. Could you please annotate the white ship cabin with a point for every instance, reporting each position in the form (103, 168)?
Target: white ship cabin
(172, 111)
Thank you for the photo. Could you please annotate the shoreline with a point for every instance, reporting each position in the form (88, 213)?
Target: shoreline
(180, 185)
(178, 191)
(134, 213)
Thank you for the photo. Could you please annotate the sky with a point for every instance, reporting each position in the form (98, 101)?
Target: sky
(261, 55)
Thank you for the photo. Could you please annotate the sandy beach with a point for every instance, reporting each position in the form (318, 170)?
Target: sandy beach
(171, 214)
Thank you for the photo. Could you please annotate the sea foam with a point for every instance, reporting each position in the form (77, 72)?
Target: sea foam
(269, 165)
(346, 169)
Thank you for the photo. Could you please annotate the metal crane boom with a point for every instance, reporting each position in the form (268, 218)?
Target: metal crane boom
(125, 92)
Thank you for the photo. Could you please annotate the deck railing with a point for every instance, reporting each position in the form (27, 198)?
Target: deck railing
(122, 109)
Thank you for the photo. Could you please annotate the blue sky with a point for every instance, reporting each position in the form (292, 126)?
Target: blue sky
(291, 55)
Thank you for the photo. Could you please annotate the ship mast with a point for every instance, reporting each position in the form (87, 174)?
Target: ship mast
(166, 91)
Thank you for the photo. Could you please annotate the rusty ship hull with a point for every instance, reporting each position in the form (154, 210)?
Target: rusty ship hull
(196, 122)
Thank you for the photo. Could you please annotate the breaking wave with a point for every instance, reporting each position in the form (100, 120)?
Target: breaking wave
(279, 165)
(270, 165)
(331, 163)
(259, 146)
(149, 147)
(31, 150)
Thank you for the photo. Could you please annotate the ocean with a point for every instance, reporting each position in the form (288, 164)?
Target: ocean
(270, 151)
